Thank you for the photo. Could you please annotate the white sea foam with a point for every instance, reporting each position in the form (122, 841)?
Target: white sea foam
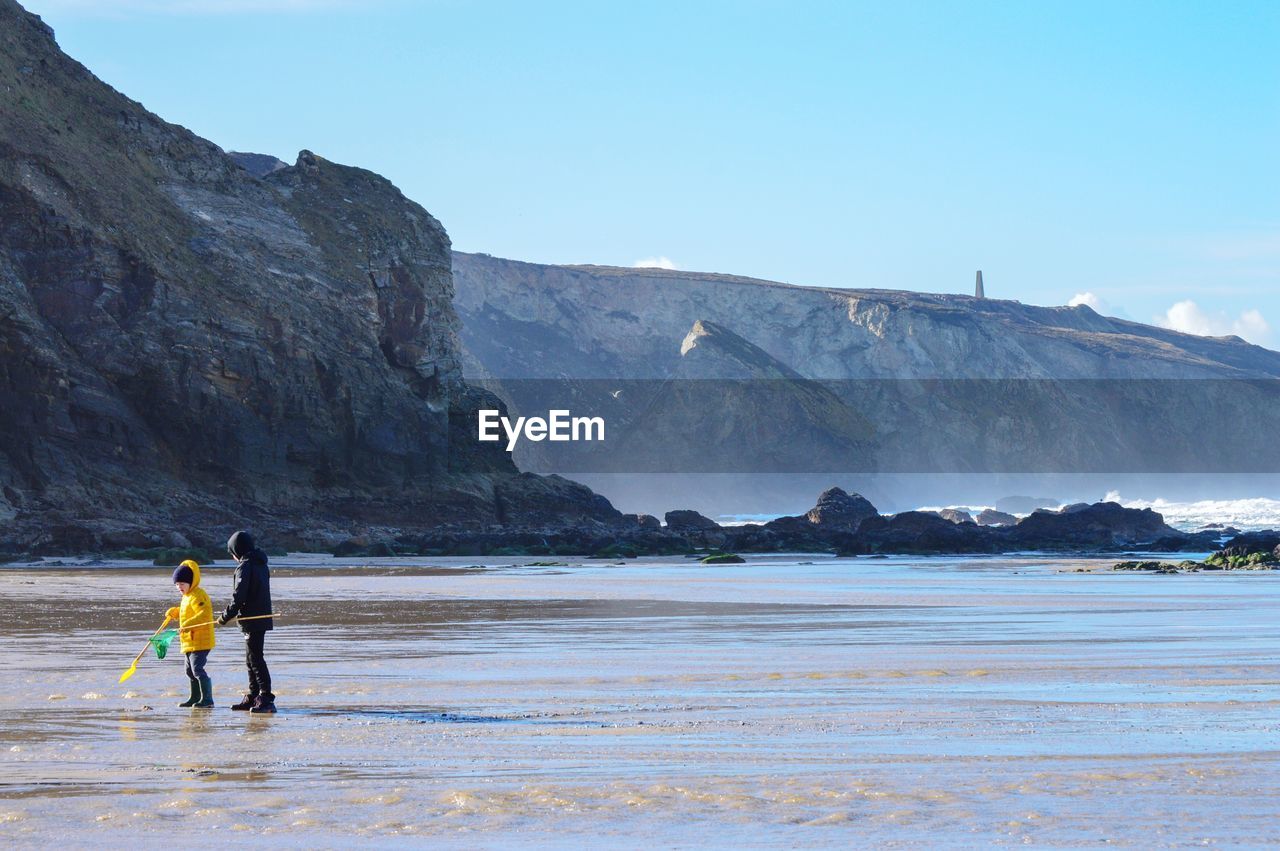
(1245, 514)
(971, 510)
(744, 519)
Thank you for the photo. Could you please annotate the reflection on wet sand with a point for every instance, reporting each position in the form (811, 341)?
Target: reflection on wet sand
(772, 703)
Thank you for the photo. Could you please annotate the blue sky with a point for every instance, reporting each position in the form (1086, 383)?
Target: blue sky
(1124, 152)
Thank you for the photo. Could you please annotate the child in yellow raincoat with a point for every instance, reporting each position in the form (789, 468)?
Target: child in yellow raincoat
(197, 640)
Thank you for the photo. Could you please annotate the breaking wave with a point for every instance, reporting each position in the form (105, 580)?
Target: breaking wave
(1244, 514)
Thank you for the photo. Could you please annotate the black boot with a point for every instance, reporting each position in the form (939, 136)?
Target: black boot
(195, 695)
(246, 703)
(263, 705)
(206, 693)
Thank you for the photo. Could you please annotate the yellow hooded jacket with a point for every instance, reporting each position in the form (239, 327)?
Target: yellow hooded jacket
(196, 608)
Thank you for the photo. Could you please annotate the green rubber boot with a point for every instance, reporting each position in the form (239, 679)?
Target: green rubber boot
(206, 693)
(195, 695)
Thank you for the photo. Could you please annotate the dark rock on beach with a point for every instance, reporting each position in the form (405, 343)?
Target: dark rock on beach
(1162, 567)
(529, 500)
(1099, 526)
(684, 520)
(1184, 542)
(1082, 528)
(1249, 551)
(837, 511)
(1251, 543)
(921, 532)
(992, 517)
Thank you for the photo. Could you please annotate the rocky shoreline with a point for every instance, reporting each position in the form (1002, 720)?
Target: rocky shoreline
(839, 523)
(1249, 551)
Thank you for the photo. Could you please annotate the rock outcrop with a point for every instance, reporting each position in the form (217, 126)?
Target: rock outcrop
(837, 511)
(759, 405)
(919, 532)
(684, 520)
(720, 353)
(1250, 551)
(259, 165)
(953, 515)
(832, 522)
(1104, 526)
(1100, 525)
(1266, 542)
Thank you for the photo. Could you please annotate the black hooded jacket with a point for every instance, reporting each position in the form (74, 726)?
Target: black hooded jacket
(251, 586)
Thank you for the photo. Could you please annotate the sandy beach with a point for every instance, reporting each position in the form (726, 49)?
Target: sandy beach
(790, 701)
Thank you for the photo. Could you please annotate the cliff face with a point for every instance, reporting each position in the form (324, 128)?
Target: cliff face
(182, 338)
(943, 383)
(523, 320)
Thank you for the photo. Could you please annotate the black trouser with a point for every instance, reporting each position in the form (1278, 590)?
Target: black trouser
(259, 676)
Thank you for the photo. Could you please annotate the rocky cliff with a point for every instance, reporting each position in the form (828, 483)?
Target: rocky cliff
(191, 341)
(524, 320)
(947, 383)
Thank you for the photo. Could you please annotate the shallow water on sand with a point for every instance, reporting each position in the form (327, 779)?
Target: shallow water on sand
(792, 700)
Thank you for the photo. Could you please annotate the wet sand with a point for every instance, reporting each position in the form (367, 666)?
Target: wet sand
(789, 701)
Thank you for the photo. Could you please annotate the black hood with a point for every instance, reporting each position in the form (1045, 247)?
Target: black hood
(240, 545)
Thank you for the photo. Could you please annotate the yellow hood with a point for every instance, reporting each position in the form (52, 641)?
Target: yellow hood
(195, 572)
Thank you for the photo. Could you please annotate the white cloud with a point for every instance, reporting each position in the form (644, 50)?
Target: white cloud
(654, 263)
(1252, 326)
(1087, 299)
(1098, 305)
(1189, 317)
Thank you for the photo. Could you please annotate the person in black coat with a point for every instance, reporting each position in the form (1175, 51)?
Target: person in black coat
(251, 595)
